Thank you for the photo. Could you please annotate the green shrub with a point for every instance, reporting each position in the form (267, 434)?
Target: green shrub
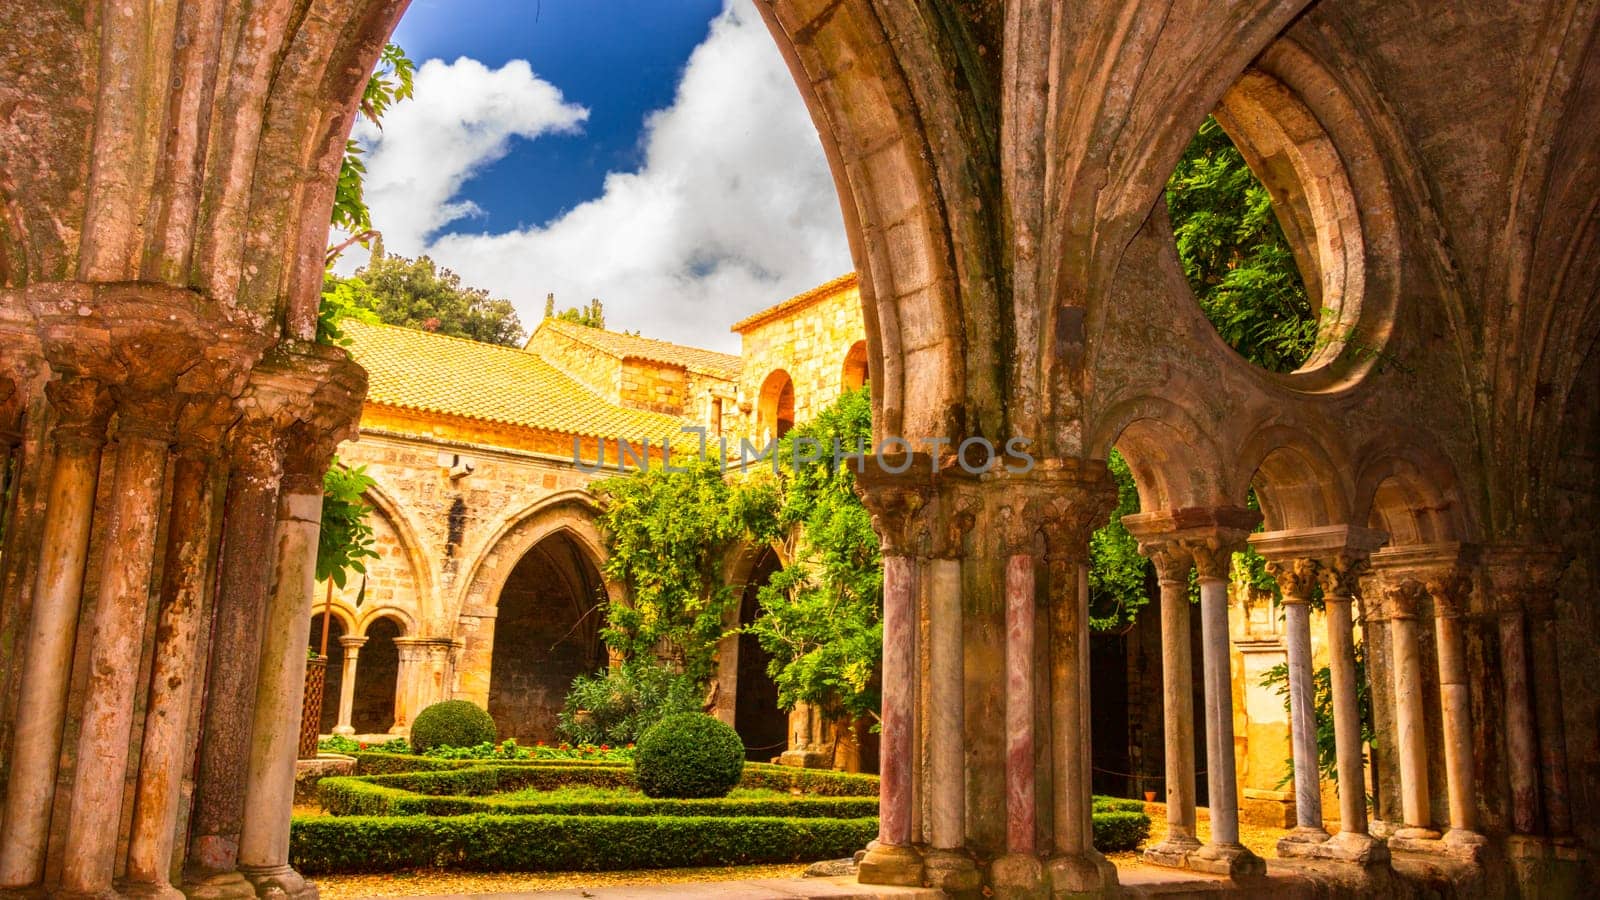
(324, 844)
(453, 723)
(688, 755)
(616, 706)
(1120, 830)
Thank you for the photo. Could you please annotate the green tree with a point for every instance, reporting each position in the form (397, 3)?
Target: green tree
(346, 540)
(592, 314)
(667, 533)
(1119, 576)
(417, 293)
(821, 619)
(1236, 258)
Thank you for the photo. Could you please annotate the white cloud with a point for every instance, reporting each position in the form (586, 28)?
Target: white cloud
(461, 118)
(732, 210)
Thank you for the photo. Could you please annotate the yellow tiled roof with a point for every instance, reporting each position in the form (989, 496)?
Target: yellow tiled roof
(825, 289)
(614, 343)
(419, 370)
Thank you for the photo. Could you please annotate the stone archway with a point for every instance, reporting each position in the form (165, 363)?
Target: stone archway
(761, 724)
(378, 677)
(546, 633)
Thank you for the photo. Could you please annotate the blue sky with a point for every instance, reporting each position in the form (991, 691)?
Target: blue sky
(654, 154)
(619, 58)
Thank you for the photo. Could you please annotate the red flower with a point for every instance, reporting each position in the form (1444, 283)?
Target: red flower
(362, 746)
(605, 746)
(541, 743)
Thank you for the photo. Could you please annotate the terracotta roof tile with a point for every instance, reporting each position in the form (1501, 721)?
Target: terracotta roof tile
(614, 343)
(419, 370)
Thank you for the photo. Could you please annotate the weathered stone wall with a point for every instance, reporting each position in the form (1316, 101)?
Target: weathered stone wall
(599, 372)
(657, 387)
(809, 340)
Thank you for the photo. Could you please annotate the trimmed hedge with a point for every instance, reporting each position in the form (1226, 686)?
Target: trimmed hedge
(451, 723)
(361, 797)
(688, 756)
(1116, 830)
(324, 845)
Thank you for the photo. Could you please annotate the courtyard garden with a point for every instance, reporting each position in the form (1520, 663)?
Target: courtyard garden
(683, 797)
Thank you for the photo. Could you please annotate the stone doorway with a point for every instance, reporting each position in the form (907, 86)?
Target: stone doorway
(761, 724)
(546, 633)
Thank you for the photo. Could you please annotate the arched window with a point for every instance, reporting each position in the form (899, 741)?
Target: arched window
(775, 412)
(855, 367)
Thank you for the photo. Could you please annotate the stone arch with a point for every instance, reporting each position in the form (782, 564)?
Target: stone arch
(775, 405)
(378, 675)
(404, 619)
(1412, 494)
(1298, 482)
(406, 534)
(854, 371)
(741, 675)
(1173, 461)
(568, 516)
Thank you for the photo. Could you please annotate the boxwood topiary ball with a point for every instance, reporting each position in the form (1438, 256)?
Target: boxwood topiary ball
(453, 723)
(688, 755)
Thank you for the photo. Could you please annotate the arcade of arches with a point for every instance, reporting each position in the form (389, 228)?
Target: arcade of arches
(167, 181)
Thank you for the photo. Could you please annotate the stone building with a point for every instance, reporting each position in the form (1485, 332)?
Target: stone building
(488, 583)
(168, 173)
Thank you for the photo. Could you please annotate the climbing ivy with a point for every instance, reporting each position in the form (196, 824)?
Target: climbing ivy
(821, 620)
(1119, 576)
(668, 533)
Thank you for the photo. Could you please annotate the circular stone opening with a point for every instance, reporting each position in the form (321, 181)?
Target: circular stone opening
(1269, 231)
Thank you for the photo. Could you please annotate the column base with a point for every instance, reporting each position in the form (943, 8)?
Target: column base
(1303, 834)
(888, 864)
(951, 871)
(1173, 852)
(1415, 833)
(1233, 860)
(1461, 844)
(218, 886)
(149, 890)
(1081, 874)
(1017, 876)
(343, 730)
(280, 883)
(1346, 846)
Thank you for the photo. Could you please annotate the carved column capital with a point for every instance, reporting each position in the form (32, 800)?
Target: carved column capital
(352, 643)
(1524, 578)
(1171, 558)
(1296, 577)
(948, 518)
(1340, 574)
(1016, 516)
(255, 448)
(83, 408)
(1405, 598)
(894, 502)
(1450, 590)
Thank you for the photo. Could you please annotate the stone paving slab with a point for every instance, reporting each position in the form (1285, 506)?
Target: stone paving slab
(839, 888)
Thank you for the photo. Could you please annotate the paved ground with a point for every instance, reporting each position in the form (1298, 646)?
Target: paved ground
(844, 888)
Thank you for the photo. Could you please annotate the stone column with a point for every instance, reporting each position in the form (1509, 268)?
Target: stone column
(180, 621)
(1522, 743)
(1410, 737)
(1296, 579)
(144, 432)
(1543, 626)
(1077, 503)
(274, 745)
(1450, 590)
(352, 644)
(82, 407)
(1340, 575)
(1213, 557)
(894, 500)
(1018, 871)
(1177, 704)
(410, 669)
(248, 527)
(946, 863)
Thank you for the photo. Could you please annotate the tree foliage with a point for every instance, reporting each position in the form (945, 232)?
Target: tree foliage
(1119, 576)
(821, 620)
(668, 533)
(417, 293)
(346, 540)
(591, 314)
(391, 81)
(1235, 255)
